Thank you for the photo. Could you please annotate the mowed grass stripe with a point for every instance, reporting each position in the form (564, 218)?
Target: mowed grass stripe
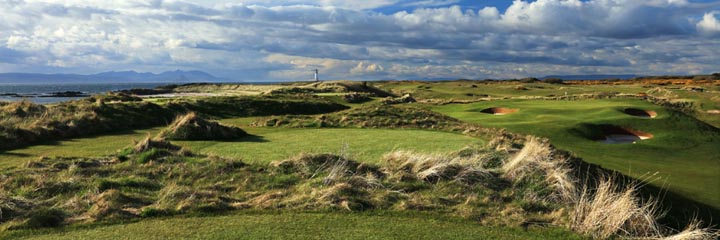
(304, 226)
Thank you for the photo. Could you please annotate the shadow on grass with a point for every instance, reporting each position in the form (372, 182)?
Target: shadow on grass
(60, 140)
(253, 138)
(246, 138)
(14, 154)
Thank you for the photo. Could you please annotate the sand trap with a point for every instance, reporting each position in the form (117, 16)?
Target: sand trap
(616, 134)
(499, 110)
(640, 112)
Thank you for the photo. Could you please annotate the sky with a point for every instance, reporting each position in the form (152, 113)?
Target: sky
(258, 40)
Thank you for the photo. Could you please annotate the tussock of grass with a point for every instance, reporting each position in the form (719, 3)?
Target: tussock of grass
(433, 168)
(695, 231)
(192, 127)
(537, 159)
(611, 210)
(149, 143)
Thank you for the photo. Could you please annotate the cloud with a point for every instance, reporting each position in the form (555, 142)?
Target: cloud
(709, 25)
(282, 40)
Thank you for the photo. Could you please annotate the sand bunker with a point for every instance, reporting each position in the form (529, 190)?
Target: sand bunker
(640, 112)
(499, 110)
(616, 134)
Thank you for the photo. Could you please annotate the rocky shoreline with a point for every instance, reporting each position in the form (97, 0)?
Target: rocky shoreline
(43, 95)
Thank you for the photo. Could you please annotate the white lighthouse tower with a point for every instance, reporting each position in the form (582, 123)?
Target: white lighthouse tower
(317, 79)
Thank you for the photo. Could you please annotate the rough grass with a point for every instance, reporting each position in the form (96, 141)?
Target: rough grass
(370, 116)
(155, 178)
(611, 210)
(332, 87)
(191, 127)
(25, 123)
(515, 189)
(464, 90)
(134, 184)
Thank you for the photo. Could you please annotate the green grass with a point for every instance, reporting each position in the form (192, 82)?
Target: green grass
(269, 144)
(94, 146)
(686, 156)
(366, 145)
(288, 225)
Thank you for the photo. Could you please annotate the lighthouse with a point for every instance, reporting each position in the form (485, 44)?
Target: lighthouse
(317, 79)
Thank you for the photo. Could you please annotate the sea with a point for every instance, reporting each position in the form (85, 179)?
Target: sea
(39, 92)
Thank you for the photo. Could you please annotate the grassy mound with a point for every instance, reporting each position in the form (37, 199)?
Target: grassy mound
(22, 108)
(370, 116)
(191, 127)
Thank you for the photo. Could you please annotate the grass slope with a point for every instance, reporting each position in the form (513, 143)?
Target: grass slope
(683, 152)
(284, 225)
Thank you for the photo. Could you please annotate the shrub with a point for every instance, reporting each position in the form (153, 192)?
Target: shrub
(529, 80)
(553, 80)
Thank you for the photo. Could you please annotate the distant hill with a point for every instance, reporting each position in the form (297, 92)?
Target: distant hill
(591, 77)
(111, 77)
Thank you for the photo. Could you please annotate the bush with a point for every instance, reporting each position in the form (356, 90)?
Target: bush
(529, 80)
(553, 80)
